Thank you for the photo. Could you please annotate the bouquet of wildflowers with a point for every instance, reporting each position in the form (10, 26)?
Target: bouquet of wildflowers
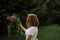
(15, 19)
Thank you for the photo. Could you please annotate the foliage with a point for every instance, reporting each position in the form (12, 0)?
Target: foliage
(48, 9)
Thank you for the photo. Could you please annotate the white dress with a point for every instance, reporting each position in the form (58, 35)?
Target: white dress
(32, 31)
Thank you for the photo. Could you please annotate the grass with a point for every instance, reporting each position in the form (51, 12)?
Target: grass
(50, 32)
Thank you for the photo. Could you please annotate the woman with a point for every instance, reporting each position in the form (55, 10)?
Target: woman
(32, 23)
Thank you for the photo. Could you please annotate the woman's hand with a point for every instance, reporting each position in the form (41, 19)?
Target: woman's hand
(21, 25)
(23, 28)
(29, 37)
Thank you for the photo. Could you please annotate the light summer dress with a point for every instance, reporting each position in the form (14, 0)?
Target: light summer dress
(32, 31)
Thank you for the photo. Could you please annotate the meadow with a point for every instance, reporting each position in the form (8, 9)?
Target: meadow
(50, 32)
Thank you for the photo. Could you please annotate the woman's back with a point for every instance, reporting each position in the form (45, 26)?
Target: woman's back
(32, 31)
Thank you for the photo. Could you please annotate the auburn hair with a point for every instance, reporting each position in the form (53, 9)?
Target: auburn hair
(32, 20)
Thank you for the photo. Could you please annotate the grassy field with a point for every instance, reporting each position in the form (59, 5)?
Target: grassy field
(50, 32)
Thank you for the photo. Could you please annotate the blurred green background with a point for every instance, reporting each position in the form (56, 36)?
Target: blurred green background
(48, 12)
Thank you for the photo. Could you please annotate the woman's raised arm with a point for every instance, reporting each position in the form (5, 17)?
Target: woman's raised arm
(23, 28)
